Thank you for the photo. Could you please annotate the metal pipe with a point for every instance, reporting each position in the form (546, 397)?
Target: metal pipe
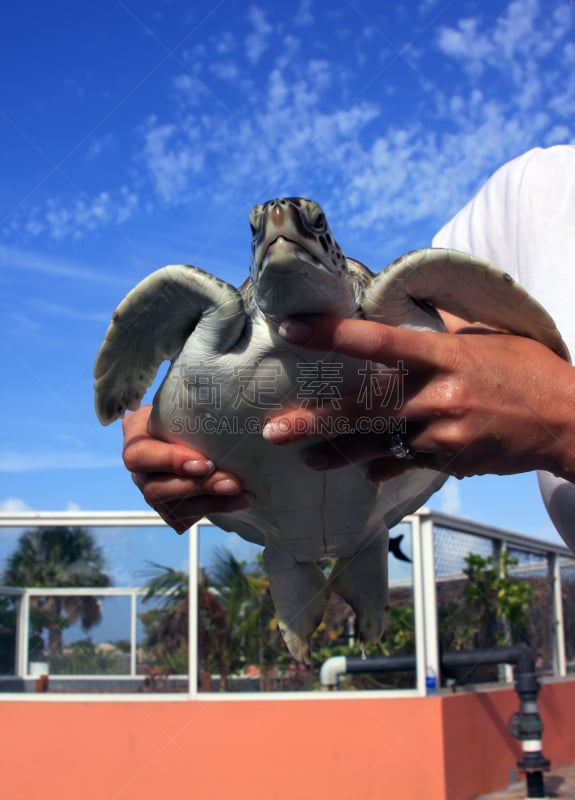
(336, 666)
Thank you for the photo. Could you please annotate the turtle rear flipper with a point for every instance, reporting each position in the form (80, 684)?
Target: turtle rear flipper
(361, 581)
(300, 593)
(152, 324)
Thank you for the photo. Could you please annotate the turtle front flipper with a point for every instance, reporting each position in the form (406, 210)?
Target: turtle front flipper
(361, 581)
(460, 284)
(152, 324)
(300, 594)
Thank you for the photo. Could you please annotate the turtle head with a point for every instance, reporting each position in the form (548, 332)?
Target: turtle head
(297, 267)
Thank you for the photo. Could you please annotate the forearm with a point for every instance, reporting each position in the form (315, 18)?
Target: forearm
(558, 413)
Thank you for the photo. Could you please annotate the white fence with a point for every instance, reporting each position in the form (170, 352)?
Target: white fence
(429, 585)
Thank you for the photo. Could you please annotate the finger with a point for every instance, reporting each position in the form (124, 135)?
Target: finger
(329, 422)
(163, 488)
(292, 426)
(182, 514)
(363, 339)
(382, 469)
(345, 450)
(144, 454)
(135, 423)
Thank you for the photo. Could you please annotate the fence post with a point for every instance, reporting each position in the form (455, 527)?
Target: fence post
(22, 634)
(425, 600)
(193, 617)
(557, 622)
(133, 634)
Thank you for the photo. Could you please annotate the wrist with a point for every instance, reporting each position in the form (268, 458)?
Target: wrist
(560, 408)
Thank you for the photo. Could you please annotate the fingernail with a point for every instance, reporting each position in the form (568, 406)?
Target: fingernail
(198, 468)
(294, 331)
(225, 486)
(276, 431)
(316, 460)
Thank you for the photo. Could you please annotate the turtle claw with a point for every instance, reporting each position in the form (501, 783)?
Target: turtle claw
(299, 648)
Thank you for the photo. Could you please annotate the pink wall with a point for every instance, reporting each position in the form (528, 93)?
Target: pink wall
(450, 747)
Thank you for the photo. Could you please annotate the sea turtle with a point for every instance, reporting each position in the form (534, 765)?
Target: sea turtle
(231, 370)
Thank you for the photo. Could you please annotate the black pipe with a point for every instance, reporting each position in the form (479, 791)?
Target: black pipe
(356, 664)
(525, 725)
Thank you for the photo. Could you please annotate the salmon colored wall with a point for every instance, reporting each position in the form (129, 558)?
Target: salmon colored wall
(558, 714)
(438, 748)
(480, 753)
(299, 750)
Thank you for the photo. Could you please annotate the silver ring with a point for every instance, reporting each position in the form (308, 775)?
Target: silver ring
(399, 447)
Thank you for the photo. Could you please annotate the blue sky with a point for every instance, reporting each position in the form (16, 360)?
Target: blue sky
(136, 134)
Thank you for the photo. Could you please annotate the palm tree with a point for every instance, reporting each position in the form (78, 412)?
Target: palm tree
(235, 616)
(251, 621)
(58, 557)
(167, 623)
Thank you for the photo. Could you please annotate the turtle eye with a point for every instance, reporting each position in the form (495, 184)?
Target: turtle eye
(319, 222)
(255, 219)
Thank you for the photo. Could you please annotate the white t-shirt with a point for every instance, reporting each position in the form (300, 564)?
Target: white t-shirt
(523, 221)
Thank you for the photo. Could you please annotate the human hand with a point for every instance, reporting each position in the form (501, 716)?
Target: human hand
(473, 403)
(177, 481)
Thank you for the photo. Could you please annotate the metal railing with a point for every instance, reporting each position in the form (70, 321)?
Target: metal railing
(437, 545)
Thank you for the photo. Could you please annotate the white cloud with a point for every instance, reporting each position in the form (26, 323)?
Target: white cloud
(225, 70)
(15, 258)
(37, 461)
(425, 6)
(13, 504)
(257, 42)
(171, 159)
(523, 34)
(448, 498)
(99, 145)
(226, 43)
(375, 173)
(303, 16)
(59, 219)
(295, 123)
(72, 312)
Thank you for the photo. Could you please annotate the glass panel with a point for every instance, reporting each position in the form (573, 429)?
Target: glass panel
(535, 560)
(532, 624)
(162, 635)
(486, 600)
(8, 541)
(79, 635)
(399, 632)
(240, 647)
(453, 546)
(465, 617)
(124, 555)
(8, 622)
(83, 642)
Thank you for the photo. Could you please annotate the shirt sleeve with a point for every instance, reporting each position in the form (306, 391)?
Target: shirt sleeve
(487, 225)
(520, 221)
